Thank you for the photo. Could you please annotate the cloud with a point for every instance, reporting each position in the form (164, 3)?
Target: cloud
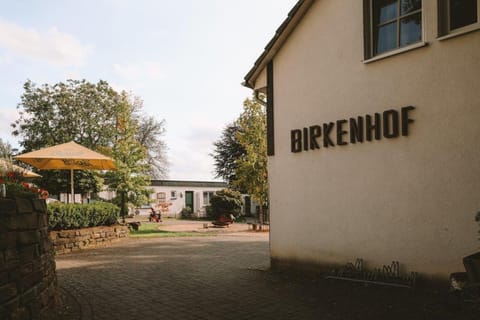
(54, 47)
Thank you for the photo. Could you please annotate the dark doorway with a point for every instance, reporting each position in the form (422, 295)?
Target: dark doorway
(189, 199)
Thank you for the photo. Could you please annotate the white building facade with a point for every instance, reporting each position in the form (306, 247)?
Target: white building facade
(178, 195)
(373, 114)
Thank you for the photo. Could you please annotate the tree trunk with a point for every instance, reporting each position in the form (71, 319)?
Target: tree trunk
(260, 217)
(122, 206)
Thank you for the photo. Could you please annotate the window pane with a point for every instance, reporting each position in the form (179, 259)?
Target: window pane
(386, 38)
(384, 10)
(407, 6)
(462, 13)
(411, 29)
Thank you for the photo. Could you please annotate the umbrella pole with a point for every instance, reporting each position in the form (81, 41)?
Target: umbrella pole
(71, 186)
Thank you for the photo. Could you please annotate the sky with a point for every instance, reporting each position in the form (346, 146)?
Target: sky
(185, 59)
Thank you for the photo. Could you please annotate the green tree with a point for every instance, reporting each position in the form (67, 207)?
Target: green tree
(131, 178)
(149, 133)
(86, 113)
(227, 151)
(225, 202)
(6, 150)
(251, 172)
(73, 111)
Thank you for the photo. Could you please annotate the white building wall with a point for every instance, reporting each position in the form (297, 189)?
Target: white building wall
(178, 203)
(411, 199)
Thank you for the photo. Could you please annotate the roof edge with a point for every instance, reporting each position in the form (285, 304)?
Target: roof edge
(294, 16)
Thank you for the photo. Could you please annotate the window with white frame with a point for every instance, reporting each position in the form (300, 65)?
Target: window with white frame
(458, 16)
(161, 197)
(207, 195)
(391, 25)
(173, 195)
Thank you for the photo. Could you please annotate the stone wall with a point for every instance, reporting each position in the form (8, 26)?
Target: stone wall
(28, 282)
(67, 241)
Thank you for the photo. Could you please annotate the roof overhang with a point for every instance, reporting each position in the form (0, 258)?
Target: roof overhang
(294, 17)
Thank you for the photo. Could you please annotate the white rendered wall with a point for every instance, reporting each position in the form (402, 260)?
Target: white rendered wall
(411, 199)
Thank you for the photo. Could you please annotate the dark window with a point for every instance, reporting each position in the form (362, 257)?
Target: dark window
(462, 13)
(457, 16)
(392, 24)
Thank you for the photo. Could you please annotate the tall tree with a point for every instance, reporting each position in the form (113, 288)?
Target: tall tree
(86, 113)
(149, 133)
(226, 153)
(131, 179)
(251, 172)
(6, 149)
(59, 113)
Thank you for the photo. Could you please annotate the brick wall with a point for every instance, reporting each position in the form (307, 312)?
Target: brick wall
(66, 241)
(28, 282)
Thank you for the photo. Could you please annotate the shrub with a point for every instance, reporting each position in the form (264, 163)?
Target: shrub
(225, 202)
(186, 213)
(63, 216)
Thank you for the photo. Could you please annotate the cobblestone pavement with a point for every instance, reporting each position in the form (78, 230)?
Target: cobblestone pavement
(219, 277)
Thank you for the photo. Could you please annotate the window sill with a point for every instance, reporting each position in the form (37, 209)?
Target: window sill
(396, 51)
(460, 32)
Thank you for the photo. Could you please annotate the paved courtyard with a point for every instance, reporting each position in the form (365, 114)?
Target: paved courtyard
(222, 277)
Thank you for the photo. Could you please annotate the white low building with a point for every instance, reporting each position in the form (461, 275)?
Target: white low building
(178, 195)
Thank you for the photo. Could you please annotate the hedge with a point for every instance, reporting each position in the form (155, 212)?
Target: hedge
(65, 216)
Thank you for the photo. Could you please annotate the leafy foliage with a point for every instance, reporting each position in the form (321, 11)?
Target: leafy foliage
(91, 115)
(6, 150)
(226, 154)
(225, 202)
(186, 213)
(251, 173)
(149, 133)
(131, 178)
(14, 183)
(64, 216)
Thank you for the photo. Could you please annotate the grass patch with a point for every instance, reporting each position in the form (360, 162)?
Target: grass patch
(148, 230)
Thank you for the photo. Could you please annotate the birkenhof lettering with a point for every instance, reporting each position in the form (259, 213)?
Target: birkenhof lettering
(389, 124)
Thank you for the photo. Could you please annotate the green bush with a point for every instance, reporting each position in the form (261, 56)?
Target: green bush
(64, 216)
(186, 213)
(225, 202)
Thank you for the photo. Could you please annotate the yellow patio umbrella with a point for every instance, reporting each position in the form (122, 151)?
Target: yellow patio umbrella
(67, 156)
(7, 164)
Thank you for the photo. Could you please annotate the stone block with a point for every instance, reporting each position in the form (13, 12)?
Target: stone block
(8, 207)
(28, 296)
(27, 221)
(42, 220)
(11, 255)
(30, 280)
(64, 234)
(28, 237)
(4, 278)
(21, 313)
(29, 253)
(26, 269)
(8, 240)
(39, 205)
(24, 205)
(3, 263)
(8, 292)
